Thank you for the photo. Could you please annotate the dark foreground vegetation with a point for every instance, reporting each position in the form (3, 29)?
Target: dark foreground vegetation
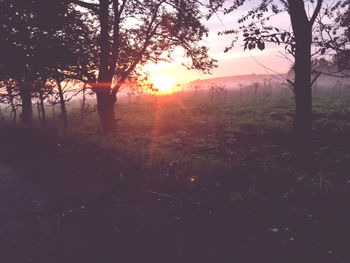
(189, 178)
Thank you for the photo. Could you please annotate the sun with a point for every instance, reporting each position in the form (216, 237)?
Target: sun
(163, 83)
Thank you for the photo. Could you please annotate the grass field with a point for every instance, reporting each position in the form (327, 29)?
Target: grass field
(223, 161)
(194, 136)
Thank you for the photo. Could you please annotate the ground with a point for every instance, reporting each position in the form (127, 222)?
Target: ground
(20, 228)
(220, 187)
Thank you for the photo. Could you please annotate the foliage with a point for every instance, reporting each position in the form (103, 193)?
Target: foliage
(330, 36)
(41, 38)
(134, 33)
(340, 43)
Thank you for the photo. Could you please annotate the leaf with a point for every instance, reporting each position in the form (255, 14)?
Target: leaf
(283, 36)
(261, 45)
(251, 46)
(277, 40)
(245, 45)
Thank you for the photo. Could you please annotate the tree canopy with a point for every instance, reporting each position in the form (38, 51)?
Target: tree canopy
(132, 33)
(42, 38)
(329, 19)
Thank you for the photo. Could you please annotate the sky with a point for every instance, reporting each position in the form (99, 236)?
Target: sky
(234, 62)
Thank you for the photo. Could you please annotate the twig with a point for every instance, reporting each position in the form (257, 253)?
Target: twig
(163, 195)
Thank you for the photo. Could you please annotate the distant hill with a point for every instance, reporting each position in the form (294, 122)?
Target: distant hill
(235, 81)
(231, 82)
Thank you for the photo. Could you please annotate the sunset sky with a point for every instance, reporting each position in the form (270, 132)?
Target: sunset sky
(234, 62)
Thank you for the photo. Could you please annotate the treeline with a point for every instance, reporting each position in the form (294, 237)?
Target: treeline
(48, 43)
(46, 50)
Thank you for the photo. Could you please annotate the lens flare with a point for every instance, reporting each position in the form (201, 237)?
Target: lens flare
(163, 83)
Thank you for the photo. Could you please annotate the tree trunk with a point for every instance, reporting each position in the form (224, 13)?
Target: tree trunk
(39, 112)
(42, 107)
(82, 111)
(302, 85)
(105, 106)
(27, 111)
(14, 112)
(106, 99)
(63, 106)
(302, 29)
(13, 107)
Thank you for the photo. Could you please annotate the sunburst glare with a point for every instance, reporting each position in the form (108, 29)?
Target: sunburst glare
(163, 84)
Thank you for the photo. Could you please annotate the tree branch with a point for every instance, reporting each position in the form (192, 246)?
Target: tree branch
(318, 74)
(285, 3)
(116, 28)
(91, 6)
(316, 12)
(149, 33)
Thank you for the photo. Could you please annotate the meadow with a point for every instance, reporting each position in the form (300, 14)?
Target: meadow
(193, 135)
(214, 168)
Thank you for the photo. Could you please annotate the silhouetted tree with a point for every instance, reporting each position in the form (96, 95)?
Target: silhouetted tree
(336, 35)
(132, 33)
(65, 90)
(306, 21)
(8, 95)
(39, 40)
(25, 27)
(42, 89)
